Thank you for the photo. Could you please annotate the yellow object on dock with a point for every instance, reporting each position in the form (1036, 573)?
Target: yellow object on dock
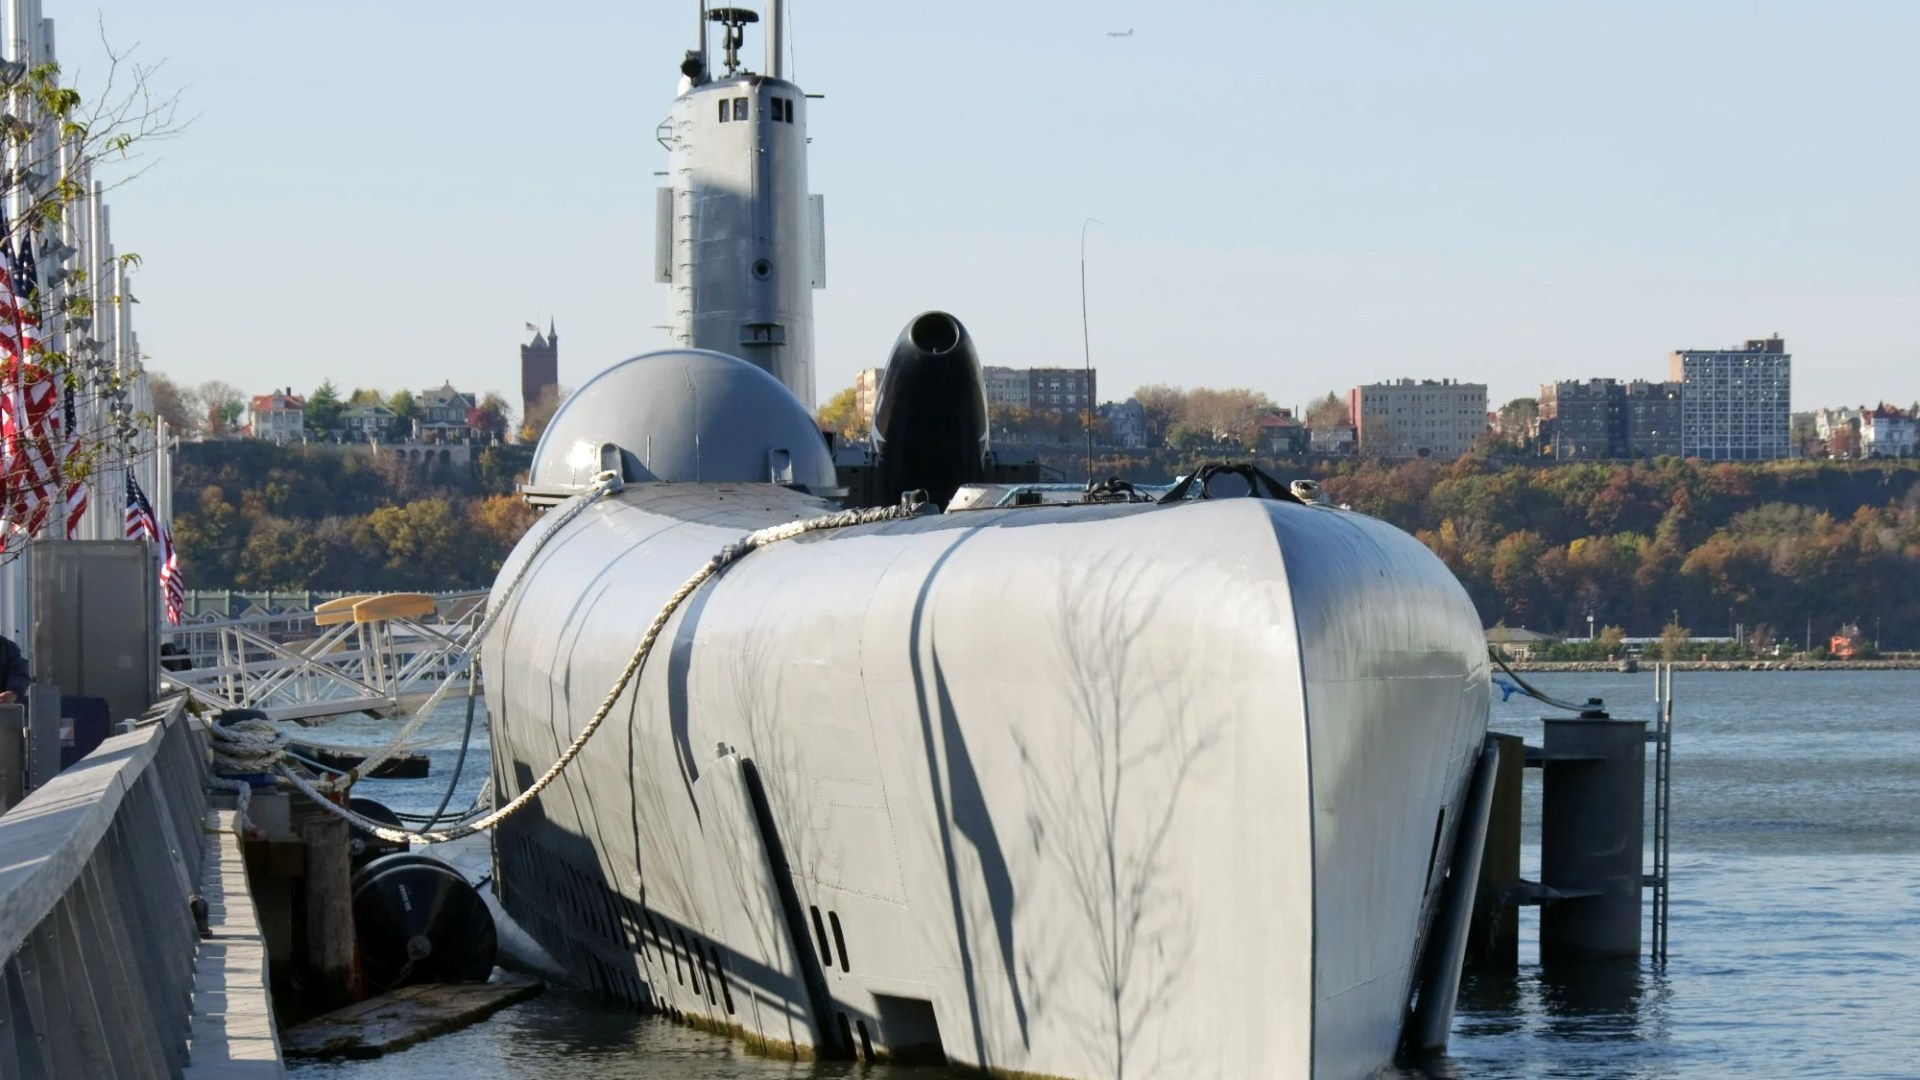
(337, 611)
(404, 605)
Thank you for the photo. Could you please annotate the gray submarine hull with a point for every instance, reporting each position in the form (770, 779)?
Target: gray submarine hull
(1063, 791)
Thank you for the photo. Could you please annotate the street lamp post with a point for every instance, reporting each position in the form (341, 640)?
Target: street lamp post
(1086, 350)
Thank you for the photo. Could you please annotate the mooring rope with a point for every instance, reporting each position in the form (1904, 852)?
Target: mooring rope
(257, 745)
(725, 557)
(1527, 688)
(241, 748)
(603, 484)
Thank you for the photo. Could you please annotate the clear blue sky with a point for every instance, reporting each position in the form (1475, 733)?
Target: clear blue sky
(1298, 196)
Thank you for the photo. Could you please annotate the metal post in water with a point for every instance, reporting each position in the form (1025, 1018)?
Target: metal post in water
(1593, 836)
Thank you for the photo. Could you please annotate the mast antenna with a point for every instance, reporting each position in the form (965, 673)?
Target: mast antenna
(1086, 349)
(734, 20)
(776, 41)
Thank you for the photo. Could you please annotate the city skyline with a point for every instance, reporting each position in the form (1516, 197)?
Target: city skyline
(1498, 196)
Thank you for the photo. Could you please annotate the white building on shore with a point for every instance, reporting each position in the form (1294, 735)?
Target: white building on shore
(1734, 403)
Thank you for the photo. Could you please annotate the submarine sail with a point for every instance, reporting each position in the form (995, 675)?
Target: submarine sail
(736, 235)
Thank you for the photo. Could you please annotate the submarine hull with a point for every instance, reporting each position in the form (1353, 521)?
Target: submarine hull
(1072, 792)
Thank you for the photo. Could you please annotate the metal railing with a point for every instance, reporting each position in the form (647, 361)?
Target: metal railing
(97, 936)
(308, 664)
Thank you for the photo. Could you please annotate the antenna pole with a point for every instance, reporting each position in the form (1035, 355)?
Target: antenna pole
(775, 41)
(1086, 348)
(703, 37)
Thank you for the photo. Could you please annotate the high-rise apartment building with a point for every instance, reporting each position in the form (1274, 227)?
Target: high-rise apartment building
(1652, 415)
(1603, 418)
(866, 393)
(1582, 421)
(1060, 389)
(1008, 386)
(1418, 418)
(1734, 403)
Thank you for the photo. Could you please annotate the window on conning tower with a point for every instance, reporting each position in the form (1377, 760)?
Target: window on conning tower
(724, 111)
(739, 108)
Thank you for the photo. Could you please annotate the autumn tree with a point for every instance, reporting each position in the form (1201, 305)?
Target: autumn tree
(414, 537)
(1328, 413)
(1161, 407)
(1673, 641)
(496, 523)
(363, 396)
(1517, 420)
(405, 408)
(499, 468)
(541, 413)
(492, 417)
(841, 415)
(1004, 419)
(221, 404)
(1229, 417)
(1517, 417)
(172, 404)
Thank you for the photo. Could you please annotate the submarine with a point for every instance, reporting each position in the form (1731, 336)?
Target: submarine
(1128, 787)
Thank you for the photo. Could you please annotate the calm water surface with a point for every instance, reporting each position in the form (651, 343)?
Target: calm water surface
(1795, 946)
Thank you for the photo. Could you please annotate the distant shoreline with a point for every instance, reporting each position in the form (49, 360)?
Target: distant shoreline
(1721, 665)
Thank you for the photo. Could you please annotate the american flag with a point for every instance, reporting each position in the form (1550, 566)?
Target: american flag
(76, 487)
(170, 584)
(28, 415)
(144, 524)
(12, 401)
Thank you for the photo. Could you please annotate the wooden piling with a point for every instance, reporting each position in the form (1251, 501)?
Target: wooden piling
(1494, 938)
(329, 912)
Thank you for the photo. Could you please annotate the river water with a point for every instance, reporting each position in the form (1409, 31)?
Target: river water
(1795, 947)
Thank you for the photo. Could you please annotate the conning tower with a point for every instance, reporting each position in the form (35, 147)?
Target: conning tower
(736, 235)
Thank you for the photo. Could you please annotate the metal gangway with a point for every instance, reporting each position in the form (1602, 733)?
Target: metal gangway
(367, 653)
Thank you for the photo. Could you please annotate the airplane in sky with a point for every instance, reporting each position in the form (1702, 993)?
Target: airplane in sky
(1128, 32)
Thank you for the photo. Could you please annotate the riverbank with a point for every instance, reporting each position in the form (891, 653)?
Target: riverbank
(1723, 665)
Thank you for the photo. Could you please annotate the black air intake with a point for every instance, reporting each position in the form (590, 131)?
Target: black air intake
(930, 419)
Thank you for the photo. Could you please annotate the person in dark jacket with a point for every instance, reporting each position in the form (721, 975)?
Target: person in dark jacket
(14, 676)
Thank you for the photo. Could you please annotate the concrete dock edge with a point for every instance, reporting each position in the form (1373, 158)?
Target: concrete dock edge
(231, 1034)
